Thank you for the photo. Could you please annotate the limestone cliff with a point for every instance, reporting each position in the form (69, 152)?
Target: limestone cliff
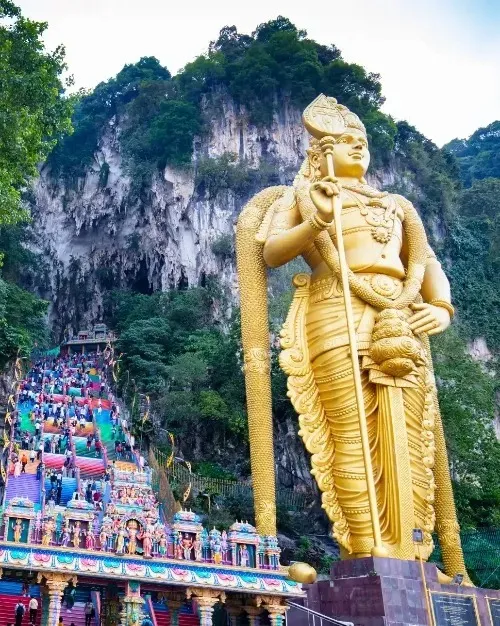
(99, 233)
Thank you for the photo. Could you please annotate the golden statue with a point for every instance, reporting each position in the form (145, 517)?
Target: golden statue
(355, 347)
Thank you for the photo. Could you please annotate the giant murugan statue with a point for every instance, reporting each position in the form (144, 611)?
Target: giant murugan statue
(355, 347)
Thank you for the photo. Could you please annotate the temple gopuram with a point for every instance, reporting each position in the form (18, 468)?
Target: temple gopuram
(84, 536)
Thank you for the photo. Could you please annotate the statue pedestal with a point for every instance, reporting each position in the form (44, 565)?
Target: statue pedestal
(390, 592)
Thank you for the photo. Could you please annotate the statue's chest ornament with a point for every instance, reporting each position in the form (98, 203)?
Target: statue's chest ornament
(379, 212)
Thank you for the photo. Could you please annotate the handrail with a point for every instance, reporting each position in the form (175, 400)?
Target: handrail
(314, 614)
(225, 486)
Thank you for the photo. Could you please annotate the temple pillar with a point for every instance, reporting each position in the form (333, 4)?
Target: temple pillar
(55, 585)
(131, 614)
(205, 599)
(254, 613)
(174, 601)
(276, 608)
(233, 612)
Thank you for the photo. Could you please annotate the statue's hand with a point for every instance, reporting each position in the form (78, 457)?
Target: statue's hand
(429, 319)
(321, 194)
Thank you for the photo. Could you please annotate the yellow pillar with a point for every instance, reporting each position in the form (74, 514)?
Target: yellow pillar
(206, 599)
(55, 584)
(174, 602)
(275, 606)
(254, 614)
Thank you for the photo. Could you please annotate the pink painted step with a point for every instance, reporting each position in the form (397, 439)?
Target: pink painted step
(90, 466)
(53, 461)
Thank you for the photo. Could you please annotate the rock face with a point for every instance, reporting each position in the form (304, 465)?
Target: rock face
(101, 234)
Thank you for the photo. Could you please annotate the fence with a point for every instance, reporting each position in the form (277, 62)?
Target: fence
(178, 473)
(482, 555)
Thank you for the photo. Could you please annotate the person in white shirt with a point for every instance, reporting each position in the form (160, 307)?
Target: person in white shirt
(33, 607)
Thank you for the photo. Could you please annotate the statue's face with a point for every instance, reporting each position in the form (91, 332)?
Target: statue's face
(351, 156)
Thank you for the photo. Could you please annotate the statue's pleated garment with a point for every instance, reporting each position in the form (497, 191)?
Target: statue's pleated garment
(395, 414)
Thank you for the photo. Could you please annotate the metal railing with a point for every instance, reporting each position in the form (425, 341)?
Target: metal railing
(176, 472)
(313, 617)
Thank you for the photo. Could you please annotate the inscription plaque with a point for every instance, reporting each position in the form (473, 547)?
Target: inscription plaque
(494, 606)
(452, 609)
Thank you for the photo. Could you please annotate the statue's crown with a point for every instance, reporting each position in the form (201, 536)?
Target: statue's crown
(325, 116)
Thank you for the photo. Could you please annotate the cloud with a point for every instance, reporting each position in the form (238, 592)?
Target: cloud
(439, 62)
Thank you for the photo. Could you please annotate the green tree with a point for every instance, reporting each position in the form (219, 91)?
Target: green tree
(478, 156)
(33, 111)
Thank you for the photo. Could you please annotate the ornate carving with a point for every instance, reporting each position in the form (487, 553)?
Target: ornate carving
(395, 385)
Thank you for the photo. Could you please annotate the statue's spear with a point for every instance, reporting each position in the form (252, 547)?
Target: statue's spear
(321, 119)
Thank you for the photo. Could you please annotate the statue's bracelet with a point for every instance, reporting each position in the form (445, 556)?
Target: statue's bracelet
(444, 305)
(317, 223)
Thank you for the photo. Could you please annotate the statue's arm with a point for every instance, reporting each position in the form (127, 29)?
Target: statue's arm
(435, 286)
(288, 237)
(433, 316)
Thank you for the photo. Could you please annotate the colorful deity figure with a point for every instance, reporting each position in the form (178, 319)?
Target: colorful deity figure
(133, 529)
(162, 545)
(244, 556)
(59, 527)
(66, 535)
(205, 541)
(198, 548)
(215, 546)
(147, 541)
(77, 532)
(38, 527)
(17, 527)
(178, 546)
(224, 546)
(90, 539)
(187, 547)
(120, 541)
(103, 537)
(48, 529)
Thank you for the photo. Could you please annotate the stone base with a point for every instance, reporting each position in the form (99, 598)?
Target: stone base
(385, 592)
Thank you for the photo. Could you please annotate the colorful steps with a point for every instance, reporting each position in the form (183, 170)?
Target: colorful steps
(75, 615)
(186, 615)
(25, 485)
(10, 595)
(81, 447)
(68, 489)
(90, 467)
(53, 461)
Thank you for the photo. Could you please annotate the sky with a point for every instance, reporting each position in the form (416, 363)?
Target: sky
(439, 60)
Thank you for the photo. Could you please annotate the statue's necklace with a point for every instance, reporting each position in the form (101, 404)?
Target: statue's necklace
(382, 223)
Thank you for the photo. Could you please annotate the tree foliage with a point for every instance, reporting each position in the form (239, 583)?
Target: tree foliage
(33, 112)
(174, 351)
(478, 156)
(162, 115)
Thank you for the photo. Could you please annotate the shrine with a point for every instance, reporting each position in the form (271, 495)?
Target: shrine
(82, 524)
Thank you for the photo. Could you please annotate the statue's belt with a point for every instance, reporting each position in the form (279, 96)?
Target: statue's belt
(329, 286)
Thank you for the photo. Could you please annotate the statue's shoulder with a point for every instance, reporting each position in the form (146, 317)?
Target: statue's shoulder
(271, 210)
(403, 202)
(257, 208)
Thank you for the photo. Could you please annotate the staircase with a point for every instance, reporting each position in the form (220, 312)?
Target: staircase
(25, 485)
(75, 616)
(68, 489)
(186, 615)
(90, 467)
(53, 461)
(10, 595)
(81, 447)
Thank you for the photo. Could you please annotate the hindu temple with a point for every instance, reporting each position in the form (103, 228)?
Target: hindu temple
(84, 536)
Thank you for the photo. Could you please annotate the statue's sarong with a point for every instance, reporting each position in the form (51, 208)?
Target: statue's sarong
(399, 420)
